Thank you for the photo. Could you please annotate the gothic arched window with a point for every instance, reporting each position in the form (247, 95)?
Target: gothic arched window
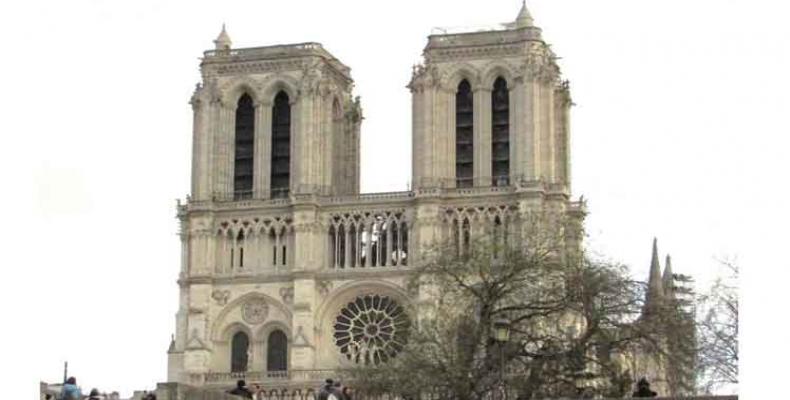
(240, 246)
(500, 133)
(281, 145)
(239, 347)
(277, 351)
(242, 160)
(464, 139)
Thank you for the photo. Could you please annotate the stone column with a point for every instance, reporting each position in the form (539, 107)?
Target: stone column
(531, 135)
(424, 228)
(443, 154)
(197, 355)
(516, 122)
(200, 150)
(300, 151)
(224, 149)
(550, 131)
(303, 338)
(263, 150)
(482, 135)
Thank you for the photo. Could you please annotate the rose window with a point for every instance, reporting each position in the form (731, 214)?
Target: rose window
(371, 329)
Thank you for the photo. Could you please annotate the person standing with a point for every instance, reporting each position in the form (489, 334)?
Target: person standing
(241, 389)
(70, 390)
(348, 393)
(325, 390)
(643, 389)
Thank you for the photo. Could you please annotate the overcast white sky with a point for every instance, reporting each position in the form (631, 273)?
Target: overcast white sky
(680, 131)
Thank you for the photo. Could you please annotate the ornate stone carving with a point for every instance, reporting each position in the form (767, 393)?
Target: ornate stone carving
(287, 294)
(254, 311)
(424, 77)
(195, 341)
(324, 287)
(300, 339)
(221, 296)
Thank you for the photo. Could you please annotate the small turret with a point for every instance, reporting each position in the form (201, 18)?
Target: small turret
(222, 42)
(524, 19)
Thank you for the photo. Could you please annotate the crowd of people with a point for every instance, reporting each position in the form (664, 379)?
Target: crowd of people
(330, 390)
(70, 391)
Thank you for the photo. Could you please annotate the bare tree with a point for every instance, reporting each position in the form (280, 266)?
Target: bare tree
(569, 317)
(718, 331)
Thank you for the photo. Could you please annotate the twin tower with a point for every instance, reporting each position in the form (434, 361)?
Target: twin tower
(284, 262)
(488, 109)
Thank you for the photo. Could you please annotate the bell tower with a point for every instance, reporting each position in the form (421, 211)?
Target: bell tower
(489, 109)
(274, 121)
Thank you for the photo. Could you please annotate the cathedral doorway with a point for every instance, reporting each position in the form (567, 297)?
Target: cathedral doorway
(277, 351)
(239, 348)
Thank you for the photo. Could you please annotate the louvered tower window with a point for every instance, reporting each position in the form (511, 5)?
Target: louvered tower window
(500, 133)
(242, 160)
(464, 141)
(281, 146)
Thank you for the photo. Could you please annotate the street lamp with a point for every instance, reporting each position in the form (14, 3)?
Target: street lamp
(501, 330)
(501, 336)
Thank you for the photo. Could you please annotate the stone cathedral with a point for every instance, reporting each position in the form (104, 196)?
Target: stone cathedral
(288, 271)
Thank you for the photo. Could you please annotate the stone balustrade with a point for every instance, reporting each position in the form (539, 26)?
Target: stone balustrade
(502, 36)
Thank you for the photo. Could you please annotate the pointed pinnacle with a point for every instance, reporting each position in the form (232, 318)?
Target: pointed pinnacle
(524, 19)
(654, 283)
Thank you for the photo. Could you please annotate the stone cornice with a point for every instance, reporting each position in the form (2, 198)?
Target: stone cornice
(291, 275)
(373, 201)
(477, 52)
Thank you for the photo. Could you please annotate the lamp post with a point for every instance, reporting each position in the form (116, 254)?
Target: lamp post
(502, 336)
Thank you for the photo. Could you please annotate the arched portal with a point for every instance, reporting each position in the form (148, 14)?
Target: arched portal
(239, 348)
(277, 351)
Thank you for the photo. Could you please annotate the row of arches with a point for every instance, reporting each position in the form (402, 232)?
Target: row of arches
(464, 134)
(462, 226)
(244, 143)
(268, 247)
(276, 351)
(372, 240)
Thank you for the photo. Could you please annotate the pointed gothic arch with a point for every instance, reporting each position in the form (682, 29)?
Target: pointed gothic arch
(500, 133)
(277, 351)
(464, 135)
(244, 137)
(281, 145)
(239, 352)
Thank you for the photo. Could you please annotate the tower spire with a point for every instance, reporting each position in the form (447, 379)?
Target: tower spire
(668, 278)
(524, 19)
(655, 291)
(222, 42)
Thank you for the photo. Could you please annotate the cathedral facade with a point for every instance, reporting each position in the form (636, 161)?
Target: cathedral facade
(288, 272)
